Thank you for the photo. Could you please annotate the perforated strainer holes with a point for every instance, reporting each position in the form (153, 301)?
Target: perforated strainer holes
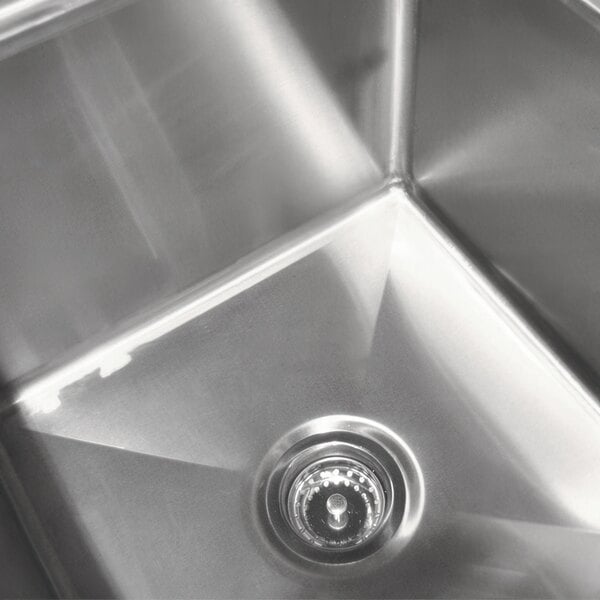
(336, 503)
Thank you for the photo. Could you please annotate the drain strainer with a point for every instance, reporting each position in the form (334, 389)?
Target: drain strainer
(336, 503)
(338, 489)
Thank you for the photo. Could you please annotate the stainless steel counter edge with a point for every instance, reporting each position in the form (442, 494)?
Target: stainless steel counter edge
(25, 23)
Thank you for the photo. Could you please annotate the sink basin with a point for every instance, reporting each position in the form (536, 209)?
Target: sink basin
(223, 234)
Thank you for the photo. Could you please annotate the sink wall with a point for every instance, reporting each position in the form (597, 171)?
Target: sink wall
(149, 149)
(507, 148)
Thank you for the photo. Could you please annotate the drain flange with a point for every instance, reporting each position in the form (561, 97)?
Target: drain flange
(338, 489)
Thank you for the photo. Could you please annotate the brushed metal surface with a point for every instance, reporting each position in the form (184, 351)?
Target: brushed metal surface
(210, 237)
(135, 165)
(507, 147)
(25, 23)
(21, 575)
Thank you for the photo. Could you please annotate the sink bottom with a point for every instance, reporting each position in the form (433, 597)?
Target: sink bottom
(139, 476)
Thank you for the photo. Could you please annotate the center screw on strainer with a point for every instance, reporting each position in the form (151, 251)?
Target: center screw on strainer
(336, 503)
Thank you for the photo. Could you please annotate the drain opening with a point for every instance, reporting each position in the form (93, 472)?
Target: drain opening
(336, 490)
(336, 503)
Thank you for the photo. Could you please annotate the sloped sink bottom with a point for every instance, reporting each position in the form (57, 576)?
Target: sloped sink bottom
(139, 478)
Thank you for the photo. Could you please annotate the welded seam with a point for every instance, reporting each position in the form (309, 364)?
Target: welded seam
(114, 351)
(497, 296)
(404, 25)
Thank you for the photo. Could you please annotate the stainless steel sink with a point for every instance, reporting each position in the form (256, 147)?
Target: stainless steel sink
(229, 225)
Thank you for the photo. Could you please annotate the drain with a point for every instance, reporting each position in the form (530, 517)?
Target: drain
(337, 502)
(338, 489)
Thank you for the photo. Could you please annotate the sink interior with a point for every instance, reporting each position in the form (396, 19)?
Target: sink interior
(214, 237)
